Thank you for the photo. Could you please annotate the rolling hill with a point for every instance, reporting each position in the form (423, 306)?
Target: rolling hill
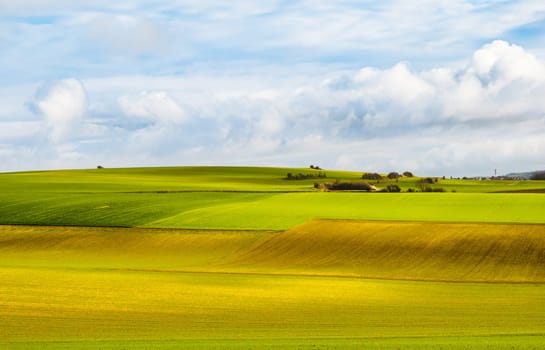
(240, 258)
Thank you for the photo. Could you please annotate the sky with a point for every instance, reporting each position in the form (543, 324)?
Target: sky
(442, 88)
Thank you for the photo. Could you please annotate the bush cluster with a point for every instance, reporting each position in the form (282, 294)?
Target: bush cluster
(392, 188)
(394, 175)
(344, 186)
(300, 176)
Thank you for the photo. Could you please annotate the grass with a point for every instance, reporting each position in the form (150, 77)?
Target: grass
(282, 211)
(418, 251)
(263, 211)
(109, 209)
(253, 179)
(256, 179)
(117, 305)
(148, 288)
(262, 262)
(242, 198)
(114, 248)
(502, 342)
(404, 250)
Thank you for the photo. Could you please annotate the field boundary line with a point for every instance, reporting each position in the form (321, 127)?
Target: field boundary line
(141, 228)
(271, 274)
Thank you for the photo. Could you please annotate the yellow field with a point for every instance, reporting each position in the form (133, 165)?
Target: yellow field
(91, 305)
(338, 283)
(101, 247)
(405, 250)
(373, 249)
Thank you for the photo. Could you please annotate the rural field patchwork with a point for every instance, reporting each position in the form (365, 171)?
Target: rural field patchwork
(241, 258)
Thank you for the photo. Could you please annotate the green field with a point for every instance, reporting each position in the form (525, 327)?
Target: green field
(239, 258)
(244, 198)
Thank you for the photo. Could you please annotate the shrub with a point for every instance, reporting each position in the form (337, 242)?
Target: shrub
(427, 180)
(393, 175)
(344, 186)
(393, 188)
(351, 186)
(432, 189)
(371, 176)
(408, 174)
(290, 176)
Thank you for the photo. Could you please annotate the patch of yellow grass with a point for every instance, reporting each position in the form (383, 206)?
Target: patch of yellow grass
(405, 250)
(89, 284)
(388, 250)
(39, 304)
(134, 248)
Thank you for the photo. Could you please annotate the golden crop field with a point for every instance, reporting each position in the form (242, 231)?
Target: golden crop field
(328, 284)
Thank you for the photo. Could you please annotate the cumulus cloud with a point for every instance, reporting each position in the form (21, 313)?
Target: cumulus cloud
(488, 114)
(274, 83)
(63, 105)
(501, 83)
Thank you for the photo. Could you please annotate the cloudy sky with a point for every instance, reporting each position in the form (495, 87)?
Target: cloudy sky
(444, 87)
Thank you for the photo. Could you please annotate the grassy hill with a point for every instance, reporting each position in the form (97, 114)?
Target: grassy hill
(253, 179)
(240, 258)
(164, 179)
(242, 198)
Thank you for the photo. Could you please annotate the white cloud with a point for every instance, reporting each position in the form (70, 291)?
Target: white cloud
(125, 33)
(63, 105)
(154, 106)
(443, 121)
(485, 115)
(502, 83)
(273, 82)
(48, 7)
(503, 63)
(105, 38)
(17, 131)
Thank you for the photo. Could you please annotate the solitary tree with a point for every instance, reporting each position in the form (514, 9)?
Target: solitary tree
(393, 175)
(371, 176)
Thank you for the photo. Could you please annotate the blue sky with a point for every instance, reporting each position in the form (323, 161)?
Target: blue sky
(435, 87)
